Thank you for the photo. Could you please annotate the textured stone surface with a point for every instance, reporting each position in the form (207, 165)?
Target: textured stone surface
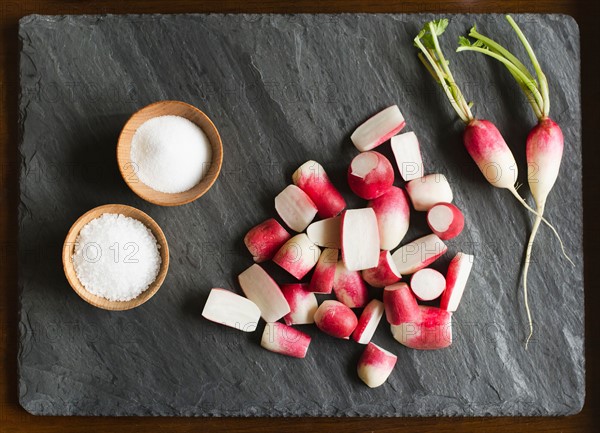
(281, 90)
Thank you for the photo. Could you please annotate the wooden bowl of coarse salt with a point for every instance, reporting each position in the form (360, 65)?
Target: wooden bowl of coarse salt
(169, 153)
(115, 257)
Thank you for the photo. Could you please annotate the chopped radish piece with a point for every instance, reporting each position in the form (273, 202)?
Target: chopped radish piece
(335, 319)
(431, 330)
(378, 129)
(265, 239)
(370, 175)
(400, 304)
(445, 220)
(428, 191)
(313, 180)
(375, 365)
(349, 287)
(283, 339)
(298, 256)
(360, 239)
(261, 289)
(324, 275)
(368, 321)
(456, 280)
(384, 274)
(230, 309)
(393, 217)
(408, 156)
(427, 284)
(295, 208)
(325, 233)
(418, 254)
(303, 304)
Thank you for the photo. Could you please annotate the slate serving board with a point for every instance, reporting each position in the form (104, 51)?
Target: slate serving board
(283, 89)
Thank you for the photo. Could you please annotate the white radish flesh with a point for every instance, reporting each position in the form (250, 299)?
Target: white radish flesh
(298, 256)
(265, 239)
(427, 284)
(285, 340)
(407, 153)
(360, 239)
(428, 191)
(324, 275)
(303, 304)
(431, 330)
(349, 287)
(368, 321)
(445, 220)
(378, 129)
(313, 180)
(230, 309)
(384, 274)
(261, 289)
(325, 233)
(370, 175)
(335, 319)
(295, 208)
(456, 280)
(375, 365)
(418, 254)
(393, 217)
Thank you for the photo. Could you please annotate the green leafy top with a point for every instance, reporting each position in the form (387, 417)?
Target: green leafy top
(436, 27)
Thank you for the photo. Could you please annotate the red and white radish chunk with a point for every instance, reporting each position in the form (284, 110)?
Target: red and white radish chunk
(393, 217)
(407, 153)
(313, 180)
(325, 233)
(285, 340)
(323, 277)
(298, 256)
(456, 280)
(427, 284)
(335, 319)
(428, 191)
(445, 220)
(265, 239)
(230, 309)
(432, 329)
(370, 175)
(400, 304)
(384, 274)
(261, 289)
(303, 304)
(349, 287)
(295, 208)
(375, 365)
(368, 321)
(360, 239)
(378, 129)
(418, 254)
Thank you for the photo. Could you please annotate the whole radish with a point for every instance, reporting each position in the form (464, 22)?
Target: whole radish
(545, 142)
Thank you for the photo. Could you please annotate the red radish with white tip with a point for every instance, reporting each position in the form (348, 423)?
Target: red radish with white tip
(230, 309)
(303, 304)
(378, 129)
(335, 319)
(349, 287)
(393, 217)
(375, 365)
(295, 208)
(445, 220)
(427, 284)
(368, 321)
(265, 239)
(360, 239)
(432, 330)
(428, 191)
(384, 274)
(370, 175)
(407, 153)
(261, 289)
(298, 256)
(326, 233)
(285, 340)
(324, 275)
(400, 304)
(313, 180)
(456, 280)
(418, 254)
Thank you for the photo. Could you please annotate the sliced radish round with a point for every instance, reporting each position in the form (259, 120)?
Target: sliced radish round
(427, 284)
(370, 175)
(427, 191)
(445, 220)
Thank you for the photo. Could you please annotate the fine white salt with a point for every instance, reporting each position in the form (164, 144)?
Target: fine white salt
(170, 153)
(116, 257)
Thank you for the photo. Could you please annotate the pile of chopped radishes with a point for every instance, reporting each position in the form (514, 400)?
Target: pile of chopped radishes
(346, 249)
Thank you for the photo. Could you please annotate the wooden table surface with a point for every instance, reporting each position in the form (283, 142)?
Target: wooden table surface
(14, 419)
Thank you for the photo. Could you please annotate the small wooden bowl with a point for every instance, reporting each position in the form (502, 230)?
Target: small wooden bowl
(69, 247)
(128, 170)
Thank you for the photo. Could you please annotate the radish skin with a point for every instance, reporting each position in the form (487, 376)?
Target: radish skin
(393, 217)
(384, 274)
(311, 178)
(265, 239)
(378, 129)
(298, 256)
(368, 321)
(303, 304)
(324, 276)
(285, 340)
(445, 220)
(432, 330)
(370, 175)
(349, 287)
(335, 319)
(458, 273)
(400, 304)
(375, 365)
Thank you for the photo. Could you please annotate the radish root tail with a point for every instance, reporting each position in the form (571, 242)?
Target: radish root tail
(536, 225)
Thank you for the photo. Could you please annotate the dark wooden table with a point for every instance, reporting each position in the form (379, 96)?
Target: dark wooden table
(14, 419)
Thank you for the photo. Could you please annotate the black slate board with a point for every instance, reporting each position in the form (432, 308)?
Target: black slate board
(281, 90)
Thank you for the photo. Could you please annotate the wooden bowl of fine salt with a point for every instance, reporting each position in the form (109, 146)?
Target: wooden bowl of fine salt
(157, 159)
(120, 253)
